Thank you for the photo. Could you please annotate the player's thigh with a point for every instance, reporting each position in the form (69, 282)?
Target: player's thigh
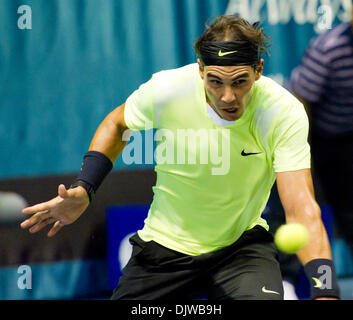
(253, 274)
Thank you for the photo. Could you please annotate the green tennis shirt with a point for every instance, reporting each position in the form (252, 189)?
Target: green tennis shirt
(214, 177)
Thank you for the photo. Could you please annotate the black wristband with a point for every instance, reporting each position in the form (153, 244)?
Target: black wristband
(323, 280)
(95, 167)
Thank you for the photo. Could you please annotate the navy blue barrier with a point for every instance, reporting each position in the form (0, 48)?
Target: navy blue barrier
(121, 223)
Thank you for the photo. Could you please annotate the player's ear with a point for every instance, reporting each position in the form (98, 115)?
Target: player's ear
(259, 69)
(201, 68)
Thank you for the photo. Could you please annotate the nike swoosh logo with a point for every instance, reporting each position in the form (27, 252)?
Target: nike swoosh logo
(318, 283)
(244, 154)
(268, 291)
(221, 54)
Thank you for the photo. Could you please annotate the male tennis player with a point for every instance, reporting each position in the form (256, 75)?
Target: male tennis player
(204, 230)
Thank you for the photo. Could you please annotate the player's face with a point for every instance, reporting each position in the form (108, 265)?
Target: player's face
(228, 89)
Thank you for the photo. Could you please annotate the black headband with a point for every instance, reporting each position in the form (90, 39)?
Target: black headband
(228, 53)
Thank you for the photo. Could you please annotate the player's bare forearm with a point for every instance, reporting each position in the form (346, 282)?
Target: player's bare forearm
(297, 196)
(309, 215)
(108, 137)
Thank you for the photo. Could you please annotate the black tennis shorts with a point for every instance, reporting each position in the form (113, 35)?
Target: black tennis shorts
(247, 269)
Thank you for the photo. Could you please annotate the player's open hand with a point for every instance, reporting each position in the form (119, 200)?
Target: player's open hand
(64, 209)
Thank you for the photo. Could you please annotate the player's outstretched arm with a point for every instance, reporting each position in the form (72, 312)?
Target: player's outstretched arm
(70, 204)
(296, 192)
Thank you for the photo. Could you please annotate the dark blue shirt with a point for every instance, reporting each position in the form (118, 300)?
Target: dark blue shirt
(325, 80)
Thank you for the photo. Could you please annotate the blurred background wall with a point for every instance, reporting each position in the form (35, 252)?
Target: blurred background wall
(65, 64)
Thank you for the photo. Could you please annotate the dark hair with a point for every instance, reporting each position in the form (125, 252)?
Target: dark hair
(234, 28)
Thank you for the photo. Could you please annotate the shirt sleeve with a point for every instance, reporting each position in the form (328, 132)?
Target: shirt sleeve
(290, 139)
(138, 113)
(308, 80)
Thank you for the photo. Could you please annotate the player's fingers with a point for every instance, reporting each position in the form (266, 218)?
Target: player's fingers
(41, 225)
(38, 217)
(62, 192)
(57, 226)
(37, 208)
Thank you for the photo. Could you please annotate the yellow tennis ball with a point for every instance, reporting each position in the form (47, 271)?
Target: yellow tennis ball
(291, 237)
